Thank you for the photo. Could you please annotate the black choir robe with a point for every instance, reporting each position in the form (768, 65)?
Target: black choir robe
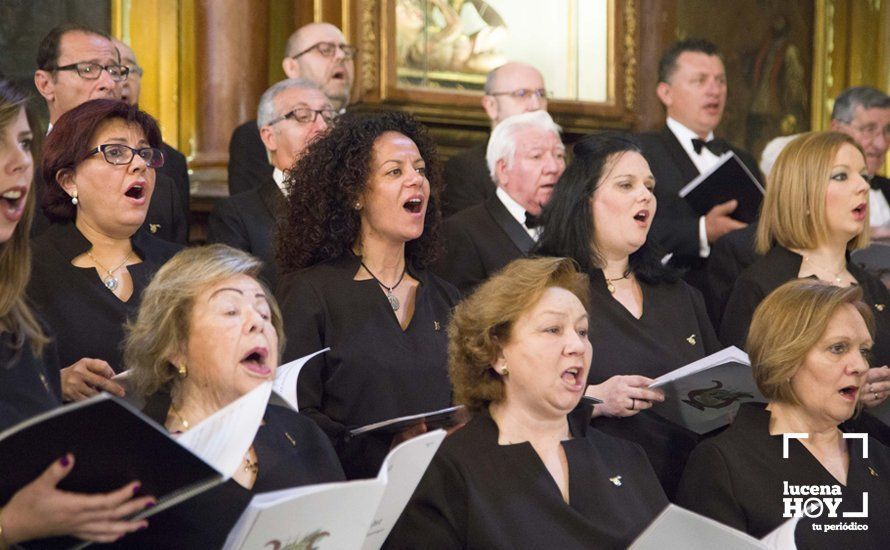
(737, 478)
(478, 242)
(375, 370)
(781, 265)
(87, 318)
(467, 180)
(479, 494)
(291, 451)
(29, 385)
(673, 331)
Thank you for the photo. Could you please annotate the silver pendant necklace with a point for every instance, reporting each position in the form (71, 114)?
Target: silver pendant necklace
(111, 282)
(393, 301)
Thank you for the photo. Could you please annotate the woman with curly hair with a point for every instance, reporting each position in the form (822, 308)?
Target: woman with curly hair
(360, 230)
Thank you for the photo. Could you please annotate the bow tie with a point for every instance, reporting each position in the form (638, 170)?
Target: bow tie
(532, 221)
(716, 146)
(877, 182)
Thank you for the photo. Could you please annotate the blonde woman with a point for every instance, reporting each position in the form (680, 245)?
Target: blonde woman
(809, 345)
(815, 213)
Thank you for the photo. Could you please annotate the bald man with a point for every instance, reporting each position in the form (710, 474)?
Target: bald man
(317, 52)
(511, 89)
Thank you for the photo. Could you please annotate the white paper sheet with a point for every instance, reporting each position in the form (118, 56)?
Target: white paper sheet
(285, 384)
(223, 438)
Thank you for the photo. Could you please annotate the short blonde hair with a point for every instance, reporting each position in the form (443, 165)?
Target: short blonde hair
(487, 317)
(161, 329)
(793, 212)
(787, 324)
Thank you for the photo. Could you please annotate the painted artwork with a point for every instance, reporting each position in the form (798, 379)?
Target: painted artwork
(453, 44)
(768, 66)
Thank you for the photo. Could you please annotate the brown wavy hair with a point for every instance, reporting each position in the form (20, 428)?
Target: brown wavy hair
(320, 222)
(488, 315)
(15, 254)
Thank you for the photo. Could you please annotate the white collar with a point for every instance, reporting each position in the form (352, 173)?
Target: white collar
(684, 134)
(278, 176)
(517, 211)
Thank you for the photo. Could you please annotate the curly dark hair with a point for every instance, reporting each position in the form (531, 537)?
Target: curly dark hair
(321, 222)
(567, 220)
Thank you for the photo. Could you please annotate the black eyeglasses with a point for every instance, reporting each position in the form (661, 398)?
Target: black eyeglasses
(328, 49)
(91, 71)
(119, 154)
(523, 94)
(305, 115)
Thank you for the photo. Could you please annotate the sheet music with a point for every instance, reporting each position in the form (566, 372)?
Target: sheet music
(285, 384)
(402, 470)
(223, 438)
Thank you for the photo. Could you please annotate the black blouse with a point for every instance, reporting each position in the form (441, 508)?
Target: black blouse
(479, 494)
(291, 451)
(374, 371)
(781, 265)
(87, 317)
(738, 478)
(29, 385)
(673, 331)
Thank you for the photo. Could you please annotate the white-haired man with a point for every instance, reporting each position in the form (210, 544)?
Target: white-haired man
(525, 158)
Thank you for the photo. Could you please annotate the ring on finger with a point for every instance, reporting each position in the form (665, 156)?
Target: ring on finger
(633, 403)
(874, 395)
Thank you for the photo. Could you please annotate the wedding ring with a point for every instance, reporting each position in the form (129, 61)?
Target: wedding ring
(874, 395)
(633, 404)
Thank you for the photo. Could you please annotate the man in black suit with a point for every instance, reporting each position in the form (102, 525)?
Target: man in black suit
(63, 88)
(525, 157)
(692, 87)
(510, 89)
(317, 52)
(291, 113)
(175, 166)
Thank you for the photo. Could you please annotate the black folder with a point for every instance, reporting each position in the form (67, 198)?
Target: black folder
(113, 444)
(729, 179)
(444, 418)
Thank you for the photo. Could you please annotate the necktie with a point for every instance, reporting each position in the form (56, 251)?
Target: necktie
(531, 221)
(716, 146)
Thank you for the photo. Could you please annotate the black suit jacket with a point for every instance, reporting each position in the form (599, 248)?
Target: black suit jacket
(675, 226)
(246, 220)
(467, 180)
(176, 167)
(248, 163)
(478, 242)
(730, 255)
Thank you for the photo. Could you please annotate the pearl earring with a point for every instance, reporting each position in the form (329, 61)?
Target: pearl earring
(74, 200)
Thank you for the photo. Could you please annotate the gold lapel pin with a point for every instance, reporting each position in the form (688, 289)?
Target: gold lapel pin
(873, 472)
(436, 326)
(616, 481)
(153, 227)
(879, 307)
(691, 339)
(290, 438)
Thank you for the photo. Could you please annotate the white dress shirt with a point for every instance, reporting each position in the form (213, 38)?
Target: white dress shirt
(703, 161)
(518, 212)
(278, 176)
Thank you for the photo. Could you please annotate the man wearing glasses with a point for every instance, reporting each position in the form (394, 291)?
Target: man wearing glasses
(511, 89)
(291, 113)
(317, 52)
(863, 113)
(76, 64)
